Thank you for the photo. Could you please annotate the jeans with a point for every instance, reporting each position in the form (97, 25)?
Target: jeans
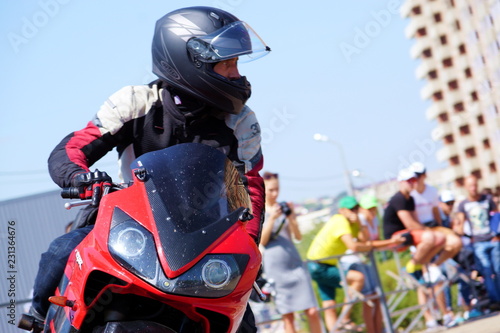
(487, 258)
(51, 267)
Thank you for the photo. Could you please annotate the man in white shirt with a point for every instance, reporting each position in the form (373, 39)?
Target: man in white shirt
(427, 210)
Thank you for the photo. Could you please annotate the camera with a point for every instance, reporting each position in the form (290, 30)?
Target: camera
(285, 208)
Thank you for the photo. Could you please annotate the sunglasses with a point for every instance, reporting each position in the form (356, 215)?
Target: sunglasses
(269, 175)
(412, 180)
(450, 203)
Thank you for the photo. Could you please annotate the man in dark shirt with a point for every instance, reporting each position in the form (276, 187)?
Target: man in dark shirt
(400, 217)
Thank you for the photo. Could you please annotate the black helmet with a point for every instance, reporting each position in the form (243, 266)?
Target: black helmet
(188, 42)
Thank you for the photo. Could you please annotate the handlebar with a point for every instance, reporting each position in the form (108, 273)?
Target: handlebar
(70, 193)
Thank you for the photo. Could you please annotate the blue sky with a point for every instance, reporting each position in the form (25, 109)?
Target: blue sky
(339, 68)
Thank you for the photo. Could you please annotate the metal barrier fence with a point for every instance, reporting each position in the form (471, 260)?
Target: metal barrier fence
(389, 299)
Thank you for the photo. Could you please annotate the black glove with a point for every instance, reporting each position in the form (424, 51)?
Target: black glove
(91, 185)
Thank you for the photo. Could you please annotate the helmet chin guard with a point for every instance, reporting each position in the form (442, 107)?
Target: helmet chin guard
(188, 42)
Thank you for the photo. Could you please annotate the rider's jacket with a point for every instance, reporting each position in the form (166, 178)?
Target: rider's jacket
(140, 119)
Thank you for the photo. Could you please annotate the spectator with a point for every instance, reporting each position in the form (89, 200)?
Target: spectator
(368, 216)
(427, 211)
(341, 233)
(473, 220)
(446, 204)
(400, 218)
(282, 261)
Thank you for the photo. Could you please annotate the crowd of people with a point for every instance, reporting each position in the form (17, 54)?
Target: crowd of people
(449, 241)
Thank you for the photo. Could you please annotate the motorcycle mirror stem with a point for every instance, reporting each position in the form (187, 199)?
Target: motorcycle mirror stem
(259, 292)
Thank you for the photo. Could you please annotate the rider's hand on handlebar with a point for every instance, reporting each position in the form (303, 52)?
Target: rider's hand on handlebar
(91, 185)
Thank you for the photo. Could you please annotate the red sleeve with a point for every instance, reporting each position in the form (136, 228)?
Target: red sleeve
(257, 196)
(76, 153)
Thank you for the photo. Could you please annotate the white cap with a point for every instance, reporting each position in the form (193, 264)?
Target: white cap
(405, 174)
(417, 167)
(447, 196)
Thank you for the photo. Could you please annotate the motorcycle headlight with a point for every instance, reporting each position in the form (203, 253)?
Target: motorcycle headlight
(133, 247)
(130, 242)
(216, 273)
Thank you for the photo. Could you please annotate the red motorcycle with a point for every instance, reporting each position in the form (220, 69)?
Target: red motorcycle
(168, 253)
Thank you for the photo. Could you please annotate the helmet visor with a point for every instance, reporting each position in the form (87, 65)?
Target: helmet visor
(237, 39)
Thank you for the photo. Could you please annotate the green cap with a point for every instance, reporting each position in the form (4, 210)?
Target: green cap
(368, 201)
(348, 202)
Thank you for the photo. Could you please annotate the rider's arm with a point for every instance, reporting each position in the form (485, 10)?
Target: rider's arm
(246, 129)
(80, 149)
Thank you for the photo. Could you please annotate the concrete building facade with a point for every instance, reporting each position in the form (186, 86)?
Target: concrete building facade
(458, 43)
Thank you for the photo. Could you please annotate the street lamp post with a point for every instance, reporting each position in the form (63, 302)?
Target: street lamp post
(324, 138)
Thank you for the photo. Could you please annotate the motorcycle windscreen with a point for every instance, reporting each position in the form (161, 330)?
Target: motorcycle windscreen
(196, 194)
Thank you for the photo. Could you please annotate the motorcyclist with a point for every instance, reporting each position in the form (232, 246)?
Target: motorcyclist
(199, 97)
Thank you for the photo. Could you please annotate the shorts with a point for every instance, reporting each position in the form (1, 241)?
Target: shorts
(416, 236)
(369, 273)
(327, 278)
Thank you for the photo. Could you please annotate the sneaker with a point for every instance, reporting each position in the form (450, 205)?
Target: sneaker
(455, 322)
(474, 313)
(411, 267)
(433, 274)
(447, 319)
(432, 326)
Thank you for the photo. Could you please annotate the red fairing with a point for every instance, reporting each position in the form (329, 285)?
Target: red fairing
(257, 195)
(79, 140)
(144, 264)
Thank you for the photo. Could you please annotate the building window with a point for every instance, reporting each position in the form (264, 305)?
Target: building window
(470, 152)
(427, 53)
(459, 107)
(457, 24)
(443, 39)
(477, 173)
(459, 182)
(473, 95)
(448, 139)
(480, 119)
(486, 143)
(416, 10)
(455, 160)
(421, 32)
(437, 96)
(448, 62)
(433, 74)
(437, 17)
(464, 130)
(468, 72)
(453, 85)
(461, 49)
(443, 117)
(493, 167)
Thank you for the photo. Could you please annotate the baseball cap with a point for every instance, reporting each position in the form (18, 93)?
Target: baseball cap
(348, 202)
(418, 168)
(447, 196)
(368, 201)
(405, 174)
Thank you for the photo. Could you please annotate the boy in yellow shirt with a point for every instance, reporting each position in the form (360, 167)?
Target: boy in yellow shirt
(341, 233)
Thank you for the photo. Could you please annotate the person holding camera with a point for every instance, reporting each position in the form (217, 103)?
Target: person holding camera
(282, 261)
